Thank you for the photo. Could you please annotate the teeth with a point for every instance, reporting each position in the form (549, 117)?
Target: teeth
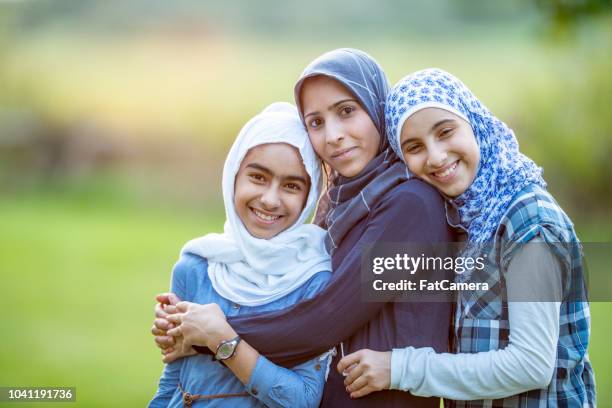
(266, 217)
(447, 171)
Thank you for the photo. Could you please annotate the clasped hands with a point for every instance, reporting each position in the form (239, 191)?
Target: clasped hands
(180, 325)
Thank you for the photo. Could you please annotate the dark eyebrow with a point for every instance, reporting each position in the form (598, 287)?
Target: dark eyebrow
(438, 123)
(441, 122)
(331, 106)
(405, 142)
(259, 167)
(298, 178)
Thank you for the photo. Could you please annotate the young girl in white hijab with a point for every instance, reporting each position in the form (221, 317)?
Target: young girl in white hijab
(266, 259)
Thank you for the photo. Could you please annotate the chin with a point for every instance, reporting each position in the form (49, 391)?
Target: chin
(451, 195)
(268, 234)
(352, 171)
(347, 174)
(454, 192)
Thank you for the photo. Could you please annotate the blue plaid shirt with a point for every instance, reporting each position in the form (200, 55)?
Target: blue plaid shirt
(481, 321)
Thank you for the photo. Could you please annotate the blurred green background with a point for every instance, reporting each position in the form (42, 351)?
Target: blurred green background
(115, 118)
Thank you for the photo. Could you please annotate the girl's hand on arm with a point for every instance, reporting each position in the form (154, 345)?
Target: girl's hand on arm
(206, 325)
(202, 325)
(367, 370)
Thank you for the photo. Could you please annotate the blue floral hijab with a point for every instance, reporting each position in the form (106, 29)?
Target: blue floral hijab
(502, 172)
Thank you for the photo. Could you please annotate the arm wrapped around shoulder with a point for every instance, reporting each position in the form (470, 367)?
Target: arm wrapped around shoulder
(411, 212)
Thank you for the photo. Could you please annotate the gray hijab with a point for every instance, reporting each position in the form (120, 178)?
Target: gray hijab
(349, 200)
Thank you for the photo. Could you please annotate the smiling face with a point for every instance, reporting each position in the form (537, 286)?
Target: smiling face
(340, 129)
(440, 148)
(269, 194)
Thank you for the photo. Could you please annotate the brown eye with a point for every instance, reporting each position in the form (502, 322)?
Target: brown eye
(315, 123)
(413, 148)
(257, 178)
(346, 110)
(446, 132)
(293, 186)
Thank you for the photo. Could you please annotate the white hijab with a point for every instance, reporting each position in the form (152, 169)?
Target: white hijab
(252, 271)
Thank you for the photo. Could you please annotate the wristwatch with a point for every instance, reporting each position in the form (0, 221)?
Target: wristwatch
(227, 348)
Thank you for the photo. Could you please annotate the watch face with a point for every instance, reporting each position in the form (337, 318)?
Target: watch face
(225, 350)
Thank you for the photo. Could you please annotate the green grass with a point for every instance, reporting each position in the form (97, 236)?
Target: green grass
(78, 284)
(78, 287)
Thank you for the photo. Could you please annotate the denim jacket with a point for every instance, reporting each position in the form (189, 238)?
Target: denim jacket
(269, 385)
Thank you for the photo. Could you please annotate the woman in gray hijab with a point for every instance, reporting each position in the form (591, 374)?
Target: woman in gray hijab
(371, 198)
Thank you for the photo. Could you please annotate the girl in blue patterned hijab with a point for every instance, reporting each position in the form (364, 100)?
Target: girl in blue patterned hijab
(498, 174)
(502, 356)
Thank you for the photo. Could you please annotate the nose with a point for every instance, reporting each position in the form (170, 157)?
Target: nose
(270, 199)
(437, 156)
(334, 132)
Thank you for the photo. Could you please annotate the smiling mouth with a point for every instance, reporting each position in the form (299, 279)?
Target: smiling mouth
(342, 153)
(266, 218)
(446, 173)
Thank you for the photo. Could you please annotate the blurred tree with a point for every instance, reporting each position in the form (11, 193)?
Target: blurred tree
(565, 14)
(483, 10)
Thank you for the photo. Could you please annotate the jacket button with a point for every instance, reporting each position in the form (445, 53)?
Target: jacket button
(318, 367)
(254, 391)
(236, 306)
